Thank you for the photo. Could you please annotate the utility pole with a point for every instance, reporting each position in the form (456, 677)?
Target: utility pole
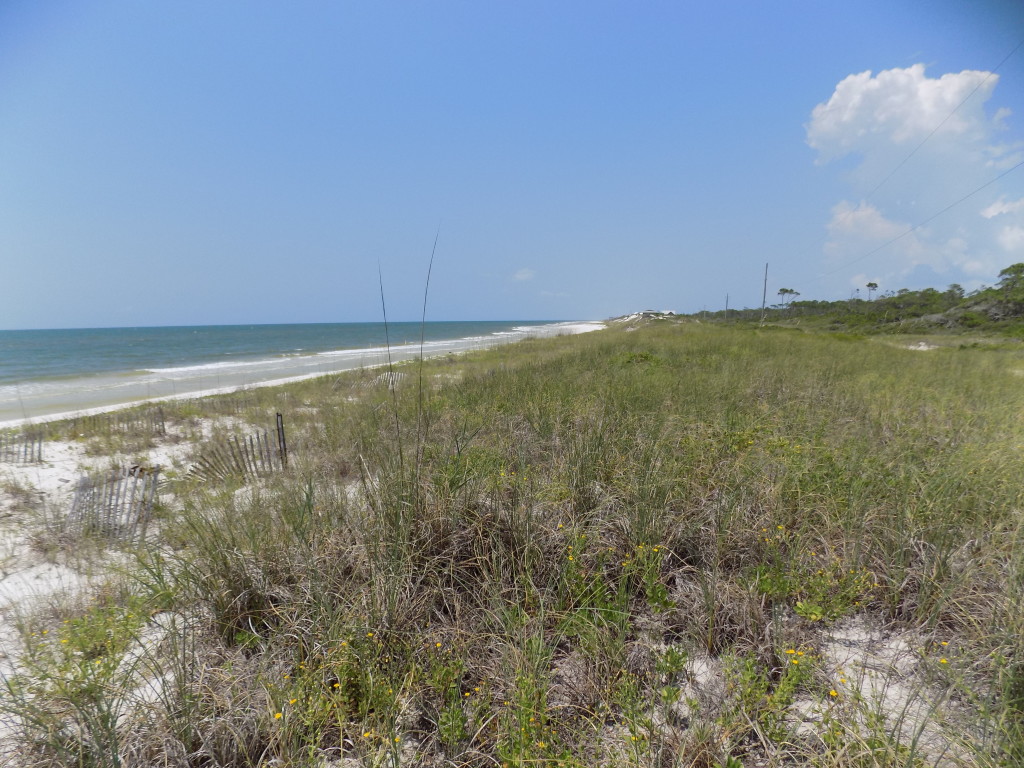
(764, 296)
(727, 307)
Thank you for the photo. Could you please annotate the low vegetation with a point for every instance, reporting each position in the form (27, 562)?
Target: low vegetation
(680, 545)
(997, 310)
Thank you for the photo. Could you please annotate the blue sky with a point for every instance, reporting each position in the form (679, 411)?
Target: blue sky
(253, 162)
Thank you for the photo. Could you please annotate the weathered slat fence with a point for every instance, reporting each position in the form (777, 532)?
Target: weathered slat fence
(251, 456)
(21, 447)
(228, 405)
(116, 504)
(389, 378)
(146, 421)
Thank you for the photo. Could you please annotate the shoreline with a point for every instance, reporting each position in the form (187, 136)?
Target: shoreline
(329, 363)
(57, 597)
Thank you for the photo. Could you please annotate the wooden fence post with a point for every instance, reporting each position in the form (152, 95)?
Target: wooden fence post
(282, 445)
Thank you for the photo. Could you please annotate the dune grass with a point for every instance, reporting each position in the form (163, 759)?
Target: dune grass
(613, 549)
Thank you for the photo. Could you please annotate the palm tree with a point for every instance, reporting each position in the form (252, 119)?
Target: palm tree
(872, 287)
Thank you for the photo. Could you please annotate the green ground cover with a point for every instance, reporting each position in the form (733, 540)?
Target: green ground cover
(625, 548)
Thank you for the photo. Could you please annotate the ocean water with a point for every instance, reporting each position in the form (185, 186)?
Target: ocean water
(46, 373)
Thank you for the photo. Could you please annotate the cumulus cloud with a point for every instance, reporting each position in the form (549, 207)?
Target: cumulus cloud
(1012, 240)
(916, 144)
(1003, 206)
(865, 222)
(1009, 214)
(858, 229)
(901, 106)
(524, 274)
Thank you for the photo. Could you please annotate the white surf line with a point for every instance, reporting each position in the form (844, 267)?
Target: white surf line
(471, 345)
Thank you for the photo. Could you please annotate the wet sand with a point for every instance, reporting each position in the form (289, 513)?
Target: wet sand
(50, 400)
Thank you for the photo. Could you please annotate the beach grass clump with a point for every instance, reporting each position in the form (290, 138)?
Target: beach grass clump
(674, 546)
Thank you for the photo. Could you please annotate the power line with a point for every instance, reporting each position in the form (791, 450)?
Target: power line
(920, 224)
(944, 120)
(912, 153)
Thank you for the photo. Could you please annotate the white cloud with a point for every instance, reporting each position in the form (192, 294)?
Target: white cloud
(1012, 240)
(902, 106)
(1002, 206)
(524, 274)
(917, 144)
(976, 268)
(856, 230)
(865, 222)
(1003, 157)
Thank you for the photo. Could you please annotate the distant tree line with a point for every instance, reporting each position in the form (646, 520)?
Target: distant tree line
(999, 308)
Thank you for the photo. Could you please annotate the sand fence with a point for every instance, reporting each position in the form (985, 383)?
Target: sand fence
(21, 447)
(391, 379)
(134, 420)
(117, 503)
(245, 457)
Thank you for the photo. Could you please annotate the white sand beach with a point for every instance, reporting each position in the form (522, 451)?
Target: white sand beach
(51, 401)
(36, 576)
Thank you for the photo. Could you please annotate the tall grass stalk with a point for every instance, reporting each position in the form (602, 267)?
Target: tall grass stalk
(610, 550)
